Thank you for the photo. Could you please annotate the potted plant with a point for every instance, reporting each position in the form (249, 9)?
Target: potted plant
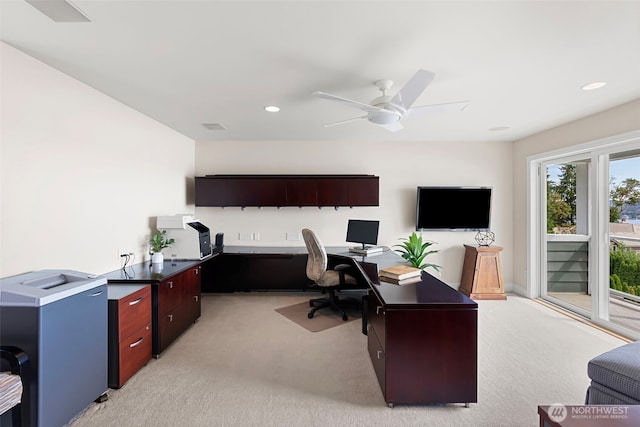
(158, 242)
(415, 250)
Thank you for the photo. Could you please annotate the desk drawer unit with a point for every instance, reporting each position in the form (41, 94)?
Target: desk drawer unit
(178, 306)
(129, 331)
(376, 338)
(422, 340)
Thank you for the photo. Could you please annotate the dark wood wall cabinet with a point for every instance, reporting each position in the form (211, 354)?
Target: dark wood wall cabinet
(287, 190)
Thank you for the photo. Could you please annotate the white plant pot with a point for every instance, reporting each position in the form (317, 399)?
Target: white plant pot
(157, 258)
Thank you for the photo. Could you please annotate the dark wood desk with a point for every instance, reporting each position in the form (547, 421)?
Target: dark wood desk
(422, 337)
(258, 268)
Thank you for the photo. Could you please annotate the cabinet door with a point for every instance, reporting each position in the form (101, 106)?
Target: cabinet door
(191, 303)
(376, 318)
(332, 192)
(211, 191)
(376, 353)
(363, 191)
(270, 191)
(169, 329)
(302, 192)
(169, 294)
(134, 312)
(241, 192)
(134, 353)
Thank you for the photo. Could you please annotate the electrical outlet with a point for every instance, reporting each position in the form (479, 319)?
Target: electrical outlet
(124, 252)
(256, 235)
(244, 236)
(293, 236)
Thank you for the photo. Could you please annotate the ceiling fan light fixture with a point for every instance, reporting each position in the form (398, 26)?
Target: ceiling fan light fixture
(384, 117)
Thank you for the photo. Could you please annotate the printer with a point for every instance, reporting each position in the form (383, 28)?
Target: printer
(192, 238)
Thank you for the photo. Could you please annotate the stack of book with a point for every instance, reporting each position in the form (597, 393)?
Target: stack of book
(368, 250)
(400, 275)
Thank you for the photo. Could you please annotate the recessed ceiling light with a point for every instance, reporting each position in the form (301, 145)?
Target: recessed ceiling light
(594, 85)
(499, 128)
(272, 108)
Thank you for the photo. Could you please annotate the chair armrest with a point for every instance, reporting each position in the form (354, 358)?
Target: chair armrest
(17, 358)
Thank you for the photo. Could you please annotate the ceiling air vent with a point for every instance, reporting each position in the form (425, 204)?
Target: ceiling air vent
(59, 10)
(214, 126)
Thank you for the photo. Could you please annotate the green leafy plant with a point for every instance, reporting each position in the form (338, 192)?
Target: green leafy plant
(415, 250)
(159, 241)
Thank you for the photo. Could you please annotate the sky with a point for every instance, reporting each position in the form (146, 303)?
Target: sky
(627, 168)
(619, 169)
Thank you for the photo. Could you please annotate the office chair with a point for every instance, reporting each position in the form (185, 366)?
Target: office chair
(327, 279)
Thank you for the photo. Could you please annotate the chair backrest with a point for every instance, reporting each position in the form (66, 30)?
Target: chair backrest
(317, 260)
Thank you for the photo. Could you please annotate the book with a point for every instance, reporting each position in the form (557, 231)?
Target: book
(400, 272)
(369, 250)
(414, 279)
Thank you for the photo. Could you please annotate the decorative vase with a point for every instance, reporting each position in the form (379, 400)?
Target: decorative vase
(157, 258)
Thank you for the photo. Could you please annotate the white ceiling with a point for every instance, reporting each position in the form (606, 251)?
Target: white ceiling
(521, 64)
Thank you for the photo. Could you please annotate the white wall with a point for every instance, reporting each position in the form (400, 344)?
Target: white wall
(618, 120)
(401, 168)
(82, 175)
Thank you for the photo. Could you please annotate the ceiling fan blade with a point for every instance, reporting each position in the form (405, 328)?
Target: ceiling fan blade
(359, 105)
(345, 121)
(393, 127)
(410, 92)
(437, 108)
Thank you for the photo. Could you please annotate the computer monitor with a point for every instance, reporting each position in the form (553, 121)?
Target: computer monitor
(363, 231)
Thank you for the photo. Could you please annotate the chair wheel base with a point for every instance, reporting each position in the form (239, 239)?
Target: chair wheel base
(310, 315)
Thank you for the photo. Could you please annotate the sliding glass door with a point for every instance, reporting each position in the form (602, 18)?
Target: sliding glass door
(585, 231)
(623, 298)
(566, 235)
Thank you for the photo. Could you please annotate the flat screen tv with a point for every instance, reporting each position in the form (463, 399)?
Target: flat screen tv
(363, 231)
(453, 208)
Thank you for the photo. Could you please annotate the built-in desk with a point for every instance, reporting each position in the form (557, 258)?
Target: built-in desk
(258, 268)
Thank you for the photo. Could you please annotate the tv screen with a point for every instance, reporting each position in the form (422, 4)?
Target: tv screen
(453, 208)
(363, 231)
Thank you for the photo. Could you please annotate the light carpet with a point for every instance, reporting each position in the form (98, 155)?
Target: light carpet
(243, 364)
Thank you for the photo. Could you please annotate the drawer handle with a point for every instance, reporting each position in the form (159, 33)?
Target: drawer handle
(195, 297)
(379, 354)
(96, 294)
(170, 317)
(170, 285)
(378, 309)
(136, 301)
(137, 343)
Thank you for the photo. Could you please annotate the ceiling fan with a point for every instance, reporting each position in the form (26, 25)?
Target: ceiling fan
(387, 111)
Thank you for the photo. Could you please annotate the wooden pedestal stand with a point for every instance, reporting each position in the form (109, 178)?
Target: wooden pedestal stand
(481, 273)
